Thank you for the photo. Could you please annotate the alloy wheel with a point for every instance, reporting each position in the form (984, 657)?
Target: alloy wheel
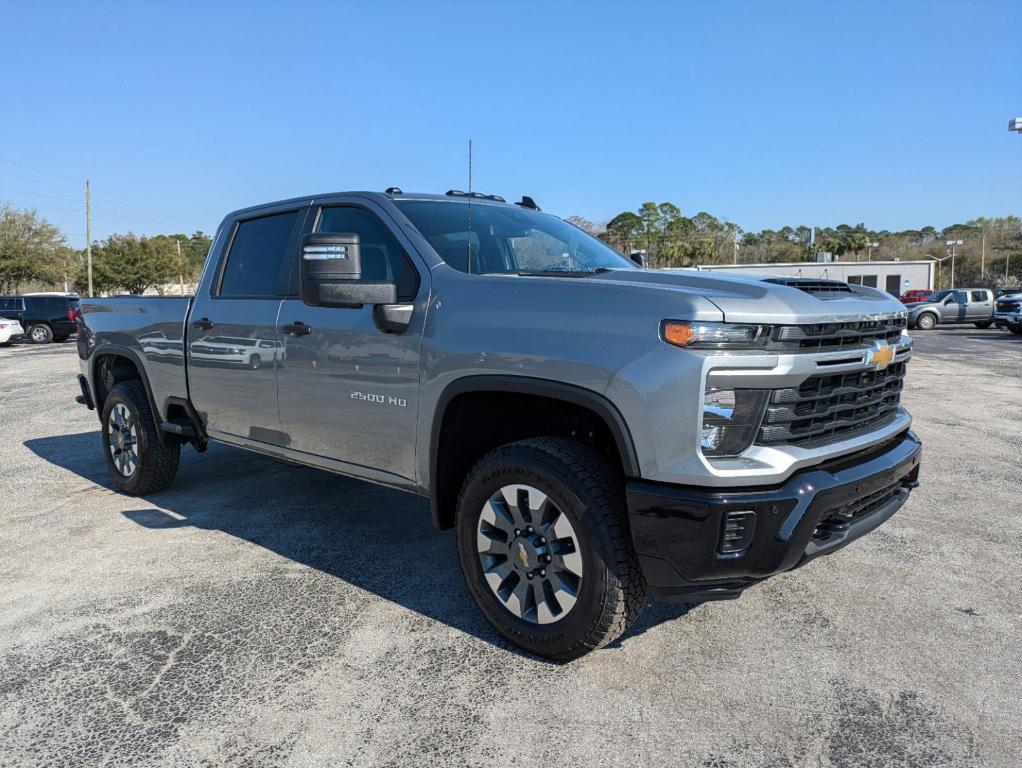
(530, 554)
(122, 437)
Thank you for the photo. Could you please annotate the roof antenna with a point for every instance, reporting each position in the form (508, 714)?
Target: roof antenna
(468, 238)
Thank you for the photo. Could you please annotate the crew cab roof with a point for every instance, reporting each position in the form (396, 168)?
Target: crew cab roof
(378, 197)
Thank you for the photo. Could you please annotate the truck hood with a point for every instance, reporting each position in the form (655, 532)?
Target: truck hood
(758, 300)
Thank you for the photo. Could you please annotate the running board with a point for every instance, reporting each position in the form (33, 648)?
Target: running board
(180, 428)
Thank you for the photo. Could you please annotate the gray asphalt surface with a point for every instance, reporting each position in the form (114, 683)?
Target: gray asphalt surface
(263, 615)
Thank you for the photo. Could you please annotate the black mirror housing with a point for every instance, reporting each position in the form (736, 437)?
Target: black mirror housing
(331, 274)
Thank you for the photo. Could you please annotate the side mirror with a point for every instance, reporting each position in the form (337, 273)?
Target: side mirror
(639, 259)
(331, 274)
(949, 300)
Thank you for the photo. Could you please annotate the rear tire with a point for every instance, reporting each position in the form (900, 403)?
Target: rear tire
(1015, 329)
(60, 339)
(40, 334)
(572, 501)
(138, 463)
(926, 322)
(984, 324)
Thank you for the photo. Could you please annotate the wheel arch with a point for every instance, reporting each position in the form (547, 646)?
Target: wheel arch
(100, 387)
(932, 313)
(572, 402)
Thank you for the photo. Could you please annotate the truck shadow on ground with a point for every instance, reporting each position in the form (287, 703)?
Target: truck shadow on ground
(372, 537)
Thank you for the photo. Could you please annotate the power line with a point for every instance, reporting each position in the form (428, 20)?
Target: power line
(38, 170)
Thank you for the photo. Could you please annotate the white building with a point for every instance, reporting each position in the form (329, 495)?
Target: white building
(895, 277)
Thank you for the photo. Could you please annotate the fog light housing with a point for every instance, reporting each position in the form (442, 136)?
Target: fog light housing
(731, 418)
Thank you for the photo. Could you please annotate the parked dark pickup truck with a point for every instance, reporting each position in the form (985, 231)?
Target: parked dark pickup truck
(593, 431)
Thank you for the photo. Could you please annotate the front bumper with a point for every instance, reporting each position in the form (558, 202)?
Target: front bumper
(1004, 320)
(694, 545)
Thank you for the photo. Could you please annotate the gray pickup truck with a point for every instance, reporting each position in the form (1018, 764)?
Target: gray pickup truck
(595, 432)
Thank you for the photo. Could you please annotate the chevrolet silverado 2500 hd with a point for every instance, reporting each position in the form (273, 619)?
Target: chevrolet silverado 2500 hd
(595, 432)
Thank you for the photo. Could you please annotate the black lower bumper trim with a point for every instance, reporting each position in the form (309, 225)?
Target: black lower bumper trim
(677, 529)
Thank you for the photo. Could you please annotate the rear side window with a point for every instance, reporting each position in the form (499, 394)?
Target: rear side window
(979, 296)
(257, 256)
(10, 304)
(383, 258)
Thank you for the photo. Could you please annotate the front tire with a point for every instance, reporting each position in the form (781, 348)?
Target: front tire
(545, 547)
(138, 463)
(926, 322)
(40, 334)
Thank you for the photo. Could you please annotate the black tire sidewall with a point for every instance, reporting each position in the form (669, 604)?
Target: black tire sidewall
(42, 326)
(120, 395)
(531, 470)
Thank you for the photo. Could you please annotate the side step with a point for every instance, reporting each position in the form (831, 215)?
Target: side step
(181, 428)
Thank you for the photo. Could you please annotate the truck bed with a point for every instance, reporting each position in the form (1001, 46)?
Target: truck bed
(149, 328)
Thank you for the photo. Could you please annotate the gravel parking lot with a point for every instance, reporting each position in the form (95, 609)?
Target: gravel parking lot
(261, 614)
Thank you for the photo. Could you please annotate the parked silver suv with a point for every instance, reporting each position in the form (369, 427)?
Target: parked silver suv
(595, 432)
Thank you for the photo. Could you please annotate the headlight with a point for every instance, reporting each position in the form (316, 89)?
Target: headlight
(713, 335)
(730, 420)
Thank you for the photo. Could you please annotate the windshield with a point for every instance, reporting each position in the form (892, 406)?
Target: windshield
(507, 239)
(938, 296)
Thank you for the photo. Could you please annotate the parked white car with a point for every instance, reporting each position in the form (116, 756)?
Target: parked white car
(9, 329)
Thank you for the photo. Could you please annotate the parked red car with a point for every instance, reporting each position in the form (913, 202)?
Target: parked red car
(915, 295)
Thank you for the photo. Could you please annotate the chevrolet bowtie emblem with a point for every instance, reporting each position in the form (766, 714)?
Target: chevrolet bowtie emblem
(522, 555)
(880, 356)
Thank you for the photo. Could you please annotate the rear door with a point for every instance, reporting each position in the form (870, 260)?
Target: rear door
(348, 391)
(980, 306)
(232, 335)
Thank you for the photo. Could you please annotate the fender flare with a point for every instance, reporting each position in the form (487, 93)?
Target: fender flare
(133, 356)
(528, 385)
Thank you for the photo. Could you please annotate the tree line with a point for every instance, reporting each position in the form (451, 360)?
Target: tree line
(990, 253)
(35, 254)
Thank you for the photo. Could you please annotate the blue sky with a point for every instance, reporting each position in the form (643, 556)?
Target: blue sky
(894, 114)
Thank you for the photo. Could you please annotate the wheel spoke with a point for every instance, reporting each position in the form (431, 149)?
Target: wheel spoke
(516, 601)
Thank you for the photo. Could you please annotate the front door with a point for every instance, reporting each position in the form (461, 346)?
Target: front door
(233, 349)
(953, 308)
(348, 391)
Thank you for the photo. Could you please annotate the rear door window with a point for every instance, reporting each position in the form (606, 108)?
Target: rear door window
(980, 296)
(256, 262)
(10, 304)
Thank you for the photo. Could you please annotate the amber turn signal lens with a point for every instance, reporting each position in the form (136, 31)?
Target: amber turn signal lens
(678, 334)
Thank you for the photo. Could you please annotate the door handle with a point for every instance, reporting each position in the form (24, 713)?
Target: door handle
(297, 328)
(204, 323)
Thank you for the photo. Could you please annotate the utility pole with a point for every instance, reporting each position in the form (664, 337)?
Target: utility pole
(180, 274)
(983, 256)
(951, 244)
(869, 250)
(735, 241)
(88, 234)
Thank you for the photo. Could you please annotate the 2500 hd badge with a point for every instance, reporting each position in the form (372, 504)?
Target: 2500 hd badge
(372, 397)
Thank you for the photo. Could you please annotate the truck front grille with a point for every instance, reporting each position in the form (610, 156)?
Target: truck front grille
(1008, 306)
(831, 407)
(835, 336)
